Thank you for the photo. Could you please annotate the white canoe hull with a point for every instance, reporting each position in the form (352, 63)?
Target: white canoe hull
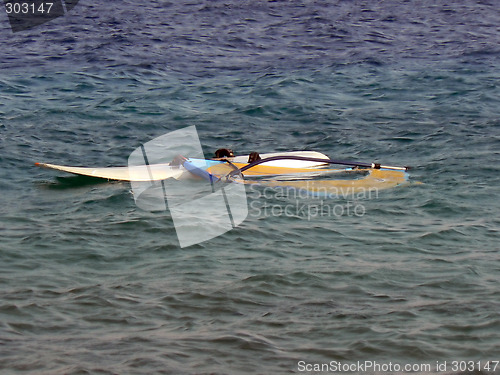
(156, 172)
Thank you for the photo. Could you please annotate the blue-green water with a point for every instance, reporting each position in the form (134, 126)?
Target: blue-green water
(91, 284)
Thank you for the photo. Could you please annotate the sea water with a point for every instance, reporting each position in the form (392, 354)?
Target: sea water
(406, 280)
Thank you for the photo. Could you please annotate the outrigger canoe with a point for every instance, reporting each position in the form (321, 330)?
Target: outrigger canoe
(295, 170)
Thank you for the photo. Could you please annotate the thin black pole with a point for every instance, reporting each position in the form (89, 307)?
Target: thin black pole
(326, 161)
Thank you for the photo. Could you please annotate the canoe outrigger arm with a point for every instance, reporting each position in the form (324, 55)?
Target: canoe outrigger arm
(325, 161)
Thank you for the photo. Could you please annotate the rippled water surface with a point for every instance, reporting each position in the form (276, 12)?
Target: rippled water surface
(92, 284)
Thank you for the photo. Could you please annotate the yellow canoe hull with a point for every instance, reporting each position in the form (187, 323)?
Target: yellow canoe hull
(375, 180)
(303, 178)
(263, 170)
